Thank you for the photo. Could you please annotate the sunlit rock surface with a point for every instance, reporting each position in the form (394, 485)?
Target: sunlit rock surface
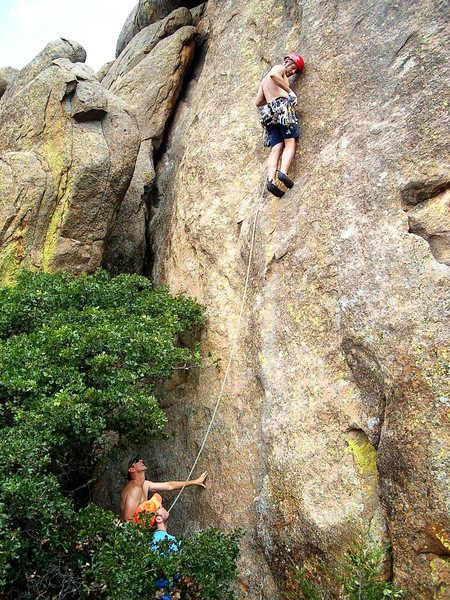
(335, 416)
(67, 153)
(145, 13)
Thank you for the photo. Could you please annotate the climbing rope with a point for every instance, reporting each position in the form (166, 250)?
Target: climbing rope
(233, 349)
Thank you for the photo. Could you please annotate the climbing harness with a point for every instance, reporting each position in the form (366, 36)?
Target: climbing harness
(280, 111)
(232, 352)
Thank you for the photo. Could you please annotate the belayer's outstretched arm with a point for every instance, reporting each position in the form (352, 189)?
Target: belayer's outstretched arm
(171, 486)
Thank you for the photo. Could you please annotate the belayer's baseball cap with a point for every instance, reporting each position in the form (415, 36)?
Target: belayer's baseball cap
(127, 462)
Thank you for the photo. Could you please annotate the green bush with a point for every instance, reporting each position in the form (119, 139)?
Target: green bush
(358, 576)
(80, 357)
(204, 568)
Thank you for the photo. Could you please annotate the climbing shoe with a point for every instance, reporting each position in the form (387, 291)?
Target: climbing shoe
(273, 189)
(285, 179)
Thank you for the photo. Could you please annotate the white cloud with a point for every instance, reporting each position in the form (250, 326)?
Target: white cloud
(31, 24)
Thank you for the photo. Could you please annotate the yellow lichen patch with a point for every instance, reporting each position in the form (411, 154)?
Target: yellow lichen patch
(54, 152)
(297, 315)
(54, 157)
(365, 457)
(53, 230)
(432, 367)
(9, 264)
(268, 255)
(51, 238)
(440, 573)
(441, 536)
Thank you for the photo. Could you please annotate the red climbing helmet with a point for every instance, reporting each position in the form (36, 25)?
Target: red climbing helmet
(297, 60)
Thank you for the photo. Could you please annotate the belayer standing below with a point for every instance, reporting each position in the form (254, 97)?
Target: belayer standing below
(134, 495)
(276, 102)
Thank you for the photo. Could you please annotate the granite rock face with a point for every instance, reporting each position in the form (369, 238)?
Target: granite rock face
(148, 76)
(67, 153)
(145, 13)
(7, 74)
(335, 416)
(430, 218)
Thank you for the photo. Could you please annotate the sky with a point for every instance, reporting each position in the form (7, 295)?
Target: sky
(26, 27)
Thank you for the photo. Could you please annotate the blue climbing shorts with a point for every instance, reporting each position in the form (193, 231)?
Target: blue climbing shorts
(278, 133)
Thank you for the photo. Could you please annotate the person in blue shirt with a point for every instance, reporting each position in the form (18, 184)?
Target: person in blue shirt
(159, 521)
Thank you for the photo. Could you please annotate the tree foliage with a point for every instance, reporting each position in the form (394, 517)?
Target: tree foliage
(204, 568)
(357, 576)
(79, 357)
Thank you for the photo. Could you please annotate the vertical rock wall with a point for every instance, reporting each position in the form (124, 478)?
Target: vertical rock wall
(148, 76)
(334, 418)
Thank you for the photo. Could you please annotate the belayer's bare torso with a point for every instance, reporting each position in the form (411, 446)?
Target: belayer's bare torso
(132, 495)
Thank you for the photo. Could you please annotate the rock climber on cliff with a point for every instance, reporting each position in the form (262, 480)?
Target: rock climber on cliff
(276, 102)
(136, 491)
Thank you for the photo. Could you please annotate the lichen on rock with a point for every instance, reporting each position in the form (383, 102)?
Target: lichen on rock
(83, 144)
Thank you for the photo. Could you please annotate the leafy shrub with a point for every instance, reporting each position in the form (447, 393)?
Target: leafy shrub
(80, 357)
(204, 568)
(357, 577)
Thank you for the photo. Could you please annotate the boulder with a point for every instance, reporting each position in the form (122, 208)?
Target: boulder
(104, 69)
(61, 48)
(7, 74)
(148, 76)
(146, 12)
(197, 14)
(152, 87)
(77, 143)
(143, 43)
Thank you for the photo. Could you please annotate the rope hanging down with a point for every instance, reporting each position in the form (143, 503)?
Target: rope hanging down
(232, 353)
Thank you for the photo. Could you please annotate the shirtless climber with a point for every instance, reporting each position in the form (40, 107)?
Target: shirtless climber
(276, 102)
(137, 490)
